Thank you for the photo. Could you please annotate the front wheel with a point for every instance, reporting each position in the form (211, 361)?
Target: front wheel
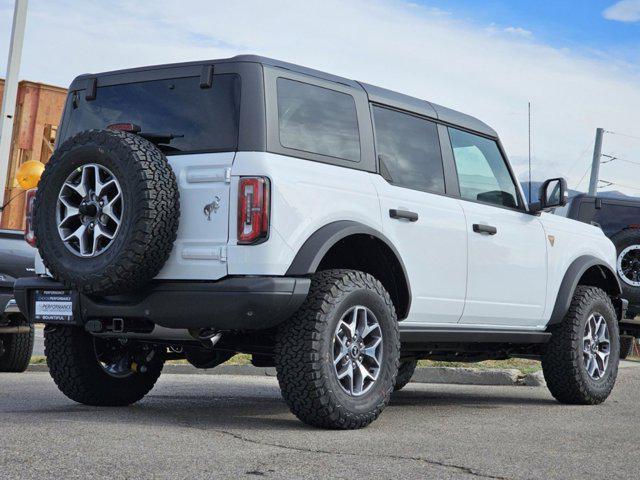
(580, 364)
(337, 357)
(100, 371)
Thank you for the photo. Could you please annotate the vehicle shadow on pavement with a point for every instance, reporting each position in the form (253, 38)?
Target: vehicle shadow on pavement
(251, 413)
(465, 399)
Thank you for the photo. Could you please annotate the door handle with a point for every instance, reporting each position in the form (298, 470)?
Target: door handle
(479, 228)
(406, 214)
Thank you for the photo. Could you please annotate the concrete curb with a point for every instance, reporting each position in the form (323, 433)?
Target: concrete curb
(440, 375)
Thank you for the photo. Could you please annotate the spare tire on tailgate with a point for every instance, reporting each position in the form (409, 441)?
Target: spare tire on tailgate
(106, 212)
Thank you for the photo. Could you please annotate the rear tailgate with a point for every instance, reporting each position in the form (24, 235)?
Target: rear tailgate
(200, 249)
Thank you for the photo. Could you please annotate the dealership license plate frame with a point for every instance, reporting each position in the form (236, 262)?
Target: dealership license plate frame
(54, 306)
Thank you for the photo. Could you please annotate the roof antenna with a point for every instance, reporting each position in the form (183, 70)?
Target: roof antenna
(529, 115)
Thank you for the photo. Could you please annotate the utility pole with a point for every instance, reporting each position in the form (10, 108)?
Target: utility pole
(11, 90)
(529, 130)
(595, 166)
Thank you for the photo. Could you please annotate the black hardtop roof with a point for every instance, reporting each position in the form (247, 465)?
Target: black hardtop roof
(375, 94)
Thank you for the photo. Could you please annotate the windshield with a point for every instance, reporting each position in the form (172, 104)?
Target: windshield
(195, 119)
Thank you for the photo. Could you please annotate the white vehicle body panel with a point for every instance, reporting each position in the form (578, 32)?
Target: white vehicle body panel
(199, 251)
(434, 249)
(507, 275)
(305, 196)
(572, 239)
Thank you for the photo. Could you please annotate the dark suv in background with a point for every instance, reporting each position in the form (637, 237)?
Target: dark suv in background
(620, 220)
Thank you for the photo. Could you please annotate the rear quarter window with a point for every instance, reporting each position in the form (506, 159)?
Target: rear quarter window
(201, 119)
(317, 120)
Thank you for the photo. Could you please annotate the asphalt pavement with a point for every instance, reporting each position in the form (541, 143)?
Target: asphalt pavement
(200, 426)
(38, 341)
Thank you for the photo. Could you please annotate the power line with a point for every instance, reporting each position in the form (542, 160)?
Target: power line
(613, 184)
(583, 176)
(580, 157)
(623, 134)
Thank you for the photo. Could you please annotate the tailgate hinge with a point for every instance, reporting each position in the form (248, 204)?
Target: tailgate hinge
(223, 255)
(227, 175)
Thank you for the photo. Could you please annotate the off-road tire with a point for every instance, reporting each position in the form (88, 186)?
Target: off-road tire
(405, 372)
(622, 240)
(563, 364)
(304, 359)
(626, 346)
(149, 219)
(18, 348)
(75, 370)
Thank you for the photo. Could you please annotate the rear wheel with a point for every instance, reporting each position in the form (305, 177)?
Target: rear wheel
(580, 364)
(100, 371)
(405, 372)
(16, 350)
(337, 357)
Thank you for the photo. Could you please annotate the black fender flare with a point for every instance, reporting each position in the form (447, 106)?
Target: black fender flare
(314, 249)
(570, 282)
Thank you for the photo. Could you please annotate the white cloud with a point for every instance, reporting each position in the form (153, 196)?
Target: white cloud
(623, 11)
(408, 48)
(519, 31)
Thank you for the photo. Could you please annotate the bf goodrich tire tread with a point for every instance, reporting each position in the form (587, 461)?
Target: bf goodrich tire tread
(405, 372)
(153, 222)
(299, 355)
(562, 363)
(75, 370)
(18, 349)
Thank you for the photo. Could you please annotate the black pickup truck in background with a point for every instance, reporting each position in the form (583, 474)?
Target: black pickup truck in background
(620, 220)
(16, 335)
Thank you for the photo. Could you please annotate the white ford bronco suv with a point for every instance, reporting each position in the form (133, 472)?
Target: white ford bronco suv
(335, 230)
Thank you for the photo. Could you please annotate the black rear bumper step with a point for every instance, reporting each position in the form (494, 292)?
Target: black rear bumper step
(233, 303)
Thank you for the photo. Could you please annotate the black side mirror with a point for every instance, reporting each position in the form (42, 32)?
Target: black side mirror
(553, 194)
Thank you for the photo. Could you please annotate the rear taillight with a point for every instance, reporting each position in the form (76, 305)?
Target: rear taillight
(29, 210)
(124, 127)
(253, 210)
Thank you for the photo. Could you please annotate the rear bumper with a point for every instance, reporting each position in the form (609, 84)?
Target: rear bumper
(233, 303)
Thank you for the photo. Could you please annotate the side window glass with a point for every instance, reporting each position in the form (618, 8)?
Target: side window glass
(317, 120)
(482, 171)
(409, 150)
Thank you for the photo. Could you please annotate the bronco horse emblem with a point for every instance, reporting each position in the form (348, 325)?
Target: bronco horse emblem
(212, 207)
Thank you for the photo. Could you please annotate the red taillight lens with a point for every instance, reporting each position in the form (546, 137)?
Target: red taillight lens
(29, 210)
(253, 209)
(124, 127)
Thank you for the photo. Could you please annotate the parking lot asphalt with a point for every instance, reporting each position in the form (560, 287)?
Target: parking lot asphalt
(194, 426)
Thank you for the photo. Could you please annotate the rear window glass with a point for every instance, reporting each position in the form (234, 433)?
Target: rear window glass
(409, 150)
(318, 120)
(200, 119)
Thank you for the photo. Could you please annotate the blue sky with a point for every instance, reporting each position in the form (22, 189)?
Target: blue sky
(577, 62)
(569, 23)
